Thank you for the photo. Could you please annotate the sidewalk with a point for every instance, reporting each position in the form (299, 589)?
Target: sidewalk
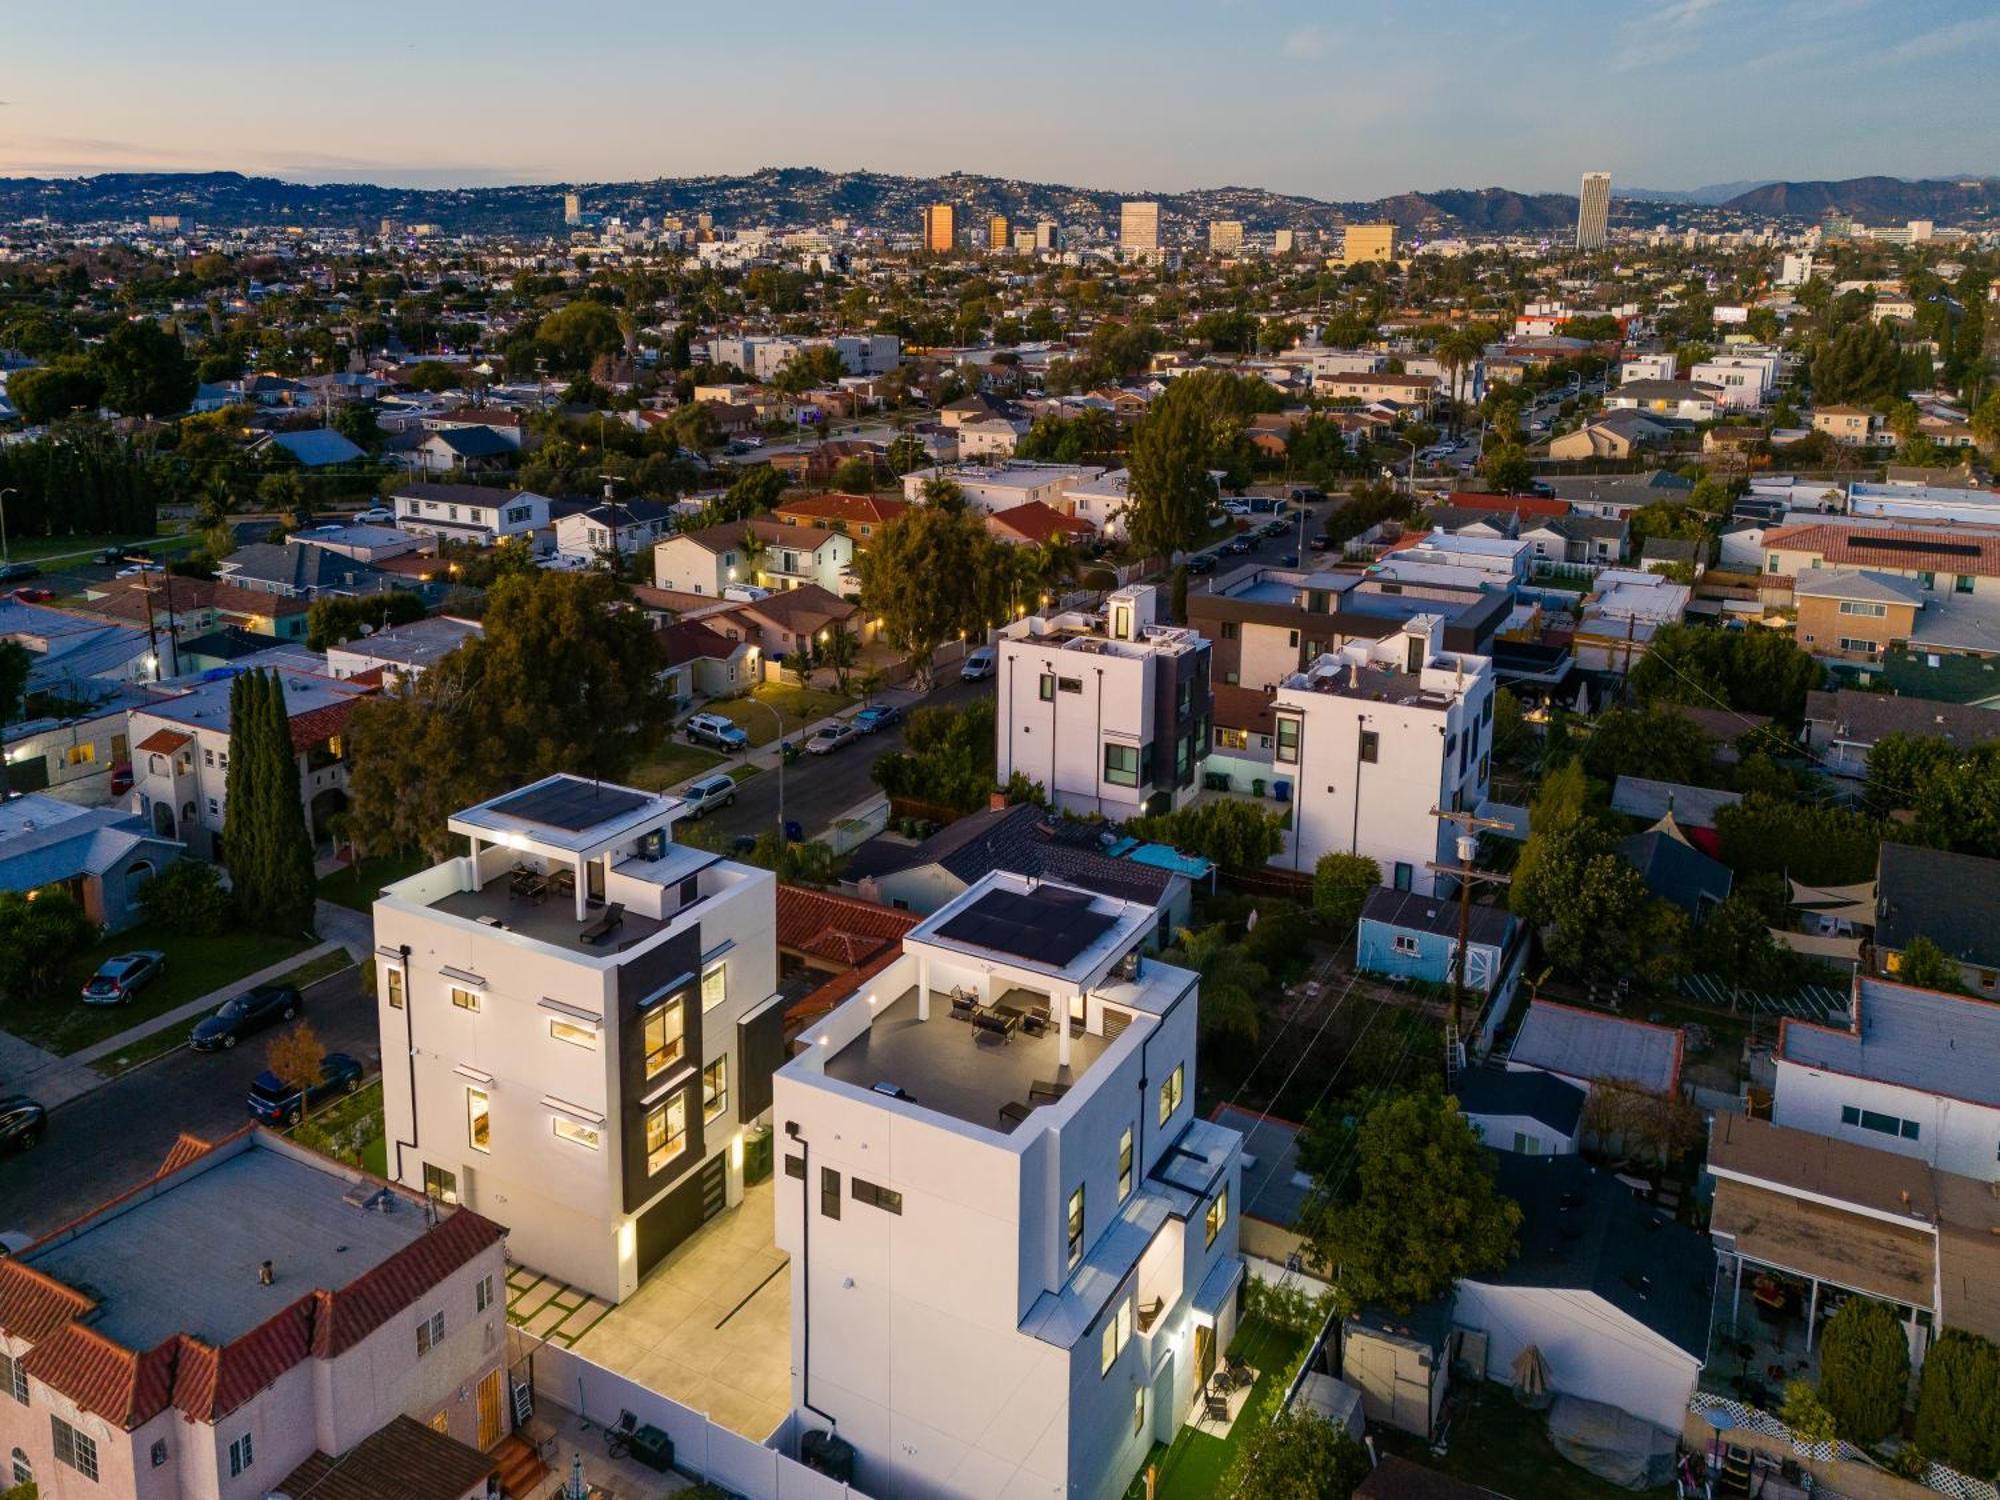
(58, 1080)
(765, 757)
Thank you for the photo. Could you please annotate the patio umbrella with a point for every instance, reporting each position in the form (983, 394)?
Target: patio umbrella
(1531, 1378)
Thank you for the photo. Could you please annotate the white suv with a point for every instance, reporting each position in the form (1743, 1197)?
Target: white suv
(710, 791)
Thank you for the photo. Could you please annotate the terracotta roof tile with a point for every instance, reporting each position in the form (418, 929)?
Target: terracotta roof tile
(322, 723)
(164, 742)
(33, 1306)
(187, 1148)
(837, 927)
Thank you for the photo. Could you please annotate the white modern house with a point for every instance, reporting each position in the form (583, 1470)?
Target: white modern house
(1912, 1073)
(579, 1020)
(1013, 1245)
(1110, 713)
(1374, 738)
(470, 512)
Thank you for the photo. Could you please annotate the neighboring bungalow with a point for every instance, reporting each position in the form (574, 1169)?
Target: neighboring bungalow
(468, 450)
(1675, 870)
(1852, 426)
(502, 423)
(1597, 541)
(700, 661)
(623, 527)
(1844, 725)
(80, 659)
(1405, 935)
(1589, 1047)
(1675, 400)
(101, 856)
(313, 447)
(1530, 1112)
(758, 553)
(1037, 523)
(1274, 1188)
(299, 570)
(401, 653)
(1618, 434)
(1952, 899)
(859, 517)
(782, 623)
(366, 544)
(1693, 808)
(473, 513)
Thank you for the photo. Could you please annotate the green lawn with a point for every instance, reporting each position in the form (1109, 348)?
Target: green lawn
(1492, 1441)
(357, 886)
(1193, 1465)
(350, 1129)
(82, 548)
(166, 1039)
(61, 1022)
(800, 706)
(313, 970)
(669, 763)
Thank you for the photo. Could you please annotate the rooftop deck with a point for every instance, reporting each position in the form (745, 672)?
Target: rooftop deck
(551, 920)
(950, 1066)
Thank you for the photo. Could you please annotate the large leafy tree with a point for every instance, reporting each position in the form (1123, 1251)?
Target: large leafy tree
(146, 372)
(1864, 1369)
(575, 335)
(1752, 671)
(1949, 793)
(1424, 1210)
(1195, 427)
(1341, 883)
(1958, 1403)
(1233, 984)
(1297, 1456)
(933, 575)
(1235, 834)
(1859, 362)
(37, 938)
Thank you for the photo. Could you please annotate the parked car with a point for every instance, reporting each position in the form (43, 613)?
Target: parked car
(1318, 543)
(709, 792)
(275, 1102)
(9, 572)
(22, 1123)
(249, 1012)
(117, 979)
(980, 664)
(1240, 546)
(121, 778)
(1236, 507)
(830, 739)
(139, 570)
(1200, 564)
(375, 515)
(714, 729)
(877, 716)
(33, 596)
(1275, 528)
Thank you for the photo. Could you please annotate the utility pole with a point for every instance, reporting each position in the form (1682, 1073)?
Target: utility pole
(1469, 825)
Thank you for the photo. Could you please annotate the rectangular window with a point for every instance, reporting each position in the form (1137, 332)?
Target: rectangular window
(1405, 943)
(482, 1293)
(1069, 684)
(478, 1120)
(13, 1379)
(666, 1132)
(1048, 687)
(392, 979)
(440, 1184)
(75, 1449)
(1963, 584)
(1291, 638)
(1287, 751)
(575, 1035)
(1121, 765)
(1856, 644)
(1232, 739)
(1404, 875)
(1138, 1410)
(1218, 1215)
(464, 999)
(663, 1030)
(1125, 1165)
(795, 1166)
(239, 1455)
(829, 1193)
(1371, 746)
(576, 1132)
(714, 986)
(430, 1333)
(1866, 611)
(714, 1088)
(886, 1199)
(1170, 1091)
(1073, 1229)
(1229, 630)
(1117, 1334)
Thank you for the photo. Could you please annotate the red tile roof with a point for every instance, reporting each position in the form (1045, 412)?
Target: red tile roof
(186, 1149)
(318, 724)
(32, 1305)
(866, 510)
(1038, 521)
(164, 742)
(1520, 505)
(1892, 549)
(841, 928)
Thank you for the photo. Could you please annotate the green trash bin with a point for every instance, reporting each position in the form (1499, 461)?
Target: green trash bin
(757, 1153)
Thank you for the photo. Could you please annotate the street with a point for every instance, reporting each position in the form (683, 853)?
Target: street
(112, 1139)
(819, 788)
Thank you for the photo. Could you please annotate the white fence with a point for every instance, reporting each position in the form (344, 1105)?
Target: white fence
(701, 1447)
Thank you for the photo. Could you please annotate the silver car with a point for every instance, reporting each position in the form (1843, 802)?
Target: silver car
(117, 978)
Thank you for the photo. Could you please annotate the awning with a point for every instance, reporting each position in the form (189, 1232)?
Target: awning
(1217, 1287)
(1855, 1251)
(1845, 950)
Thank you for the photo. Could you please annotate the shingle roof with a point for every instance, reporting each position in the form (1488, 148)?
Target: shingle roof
(854, 509)
(1038, 521)
(1952, 899)
(1675, 870)
(1535, 1095)
(1589, 1044)
(1867, 718)
(473, 442)
(1692, 806)
(1490, 925)
(1854, 583)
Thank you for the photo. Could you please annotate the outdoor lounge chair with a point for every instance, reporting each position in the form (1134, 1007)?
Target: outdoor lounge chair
(963, 1006)
(613, 917)
(1013, 1112)
(1215, 1408)
(991, 1020)
(1036, 1021)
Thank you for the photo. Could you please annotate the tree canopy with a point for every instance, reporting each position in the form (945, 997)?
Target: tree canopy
(265, 840)
(932, 575)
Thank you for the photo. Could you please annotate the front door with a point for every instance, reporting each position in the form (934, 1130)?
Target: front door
(491, 1415)
(1204, 1356)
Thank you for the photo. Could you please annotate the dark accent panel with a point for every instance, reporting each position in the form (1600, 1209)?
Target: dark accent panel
(637, 980)
(668, 1222)
(760, 1052)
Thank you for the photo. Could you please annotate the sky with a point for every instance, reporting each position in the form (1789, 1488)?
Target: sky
(1338, 99)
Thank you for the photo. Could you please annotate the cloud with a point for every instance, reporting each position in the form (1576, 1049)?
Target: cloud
(1667, 30)
(1946, 39)
(1307, 42)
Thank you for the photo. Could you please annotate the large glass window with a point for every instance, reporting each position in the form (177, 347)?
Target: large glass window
(1287, 750)
(577, 1132)
(1121, 765)
(478, 1120)
(1170, 1092)
(464, 999)
(715, 1088)
(440, 1184)
(664, 1026)
(575, 1035)
(1074, 1229)
(76, 1449)
(392, 979)
(714, 986)
(666, 1131)
(1125, 1165)
(1218, 1215)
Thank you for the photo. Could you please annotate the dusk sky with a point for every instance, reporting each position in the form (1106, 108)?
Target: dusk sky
(1335, 100)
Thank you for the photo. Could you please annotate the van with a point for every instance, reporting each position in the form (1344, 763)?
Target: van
(979, 665)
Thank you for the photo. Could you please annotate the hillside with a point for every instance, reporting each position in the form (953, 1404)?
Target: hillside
(1876, 200)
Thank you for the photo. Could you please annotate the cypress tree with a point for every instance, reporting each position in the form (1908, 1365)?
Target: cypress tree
(239, 842)
(289, 856)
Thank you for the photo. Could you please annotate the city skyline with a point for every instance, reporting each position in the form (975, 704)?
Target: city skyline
(129, 88)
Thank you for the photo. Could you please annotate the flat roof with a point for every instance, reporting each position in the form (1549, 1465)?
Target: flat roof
(1046, 924)
(1917, 1039)
(571, 813)
(184, 1259)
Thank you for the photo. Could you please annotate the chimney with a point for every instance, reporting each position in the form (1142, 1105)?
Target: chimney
(997, 801)
(265, 1275)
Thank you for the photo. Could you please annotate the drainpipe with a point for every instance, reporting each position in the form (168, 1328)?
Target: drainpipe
(805, 1280)
(402, 956)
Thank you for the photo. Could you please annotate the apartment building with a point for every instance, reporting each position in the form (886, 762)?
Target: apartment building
(1593, 211)
(1853, 615)
(940, 228)
(1647, 367)
(1266, 624)
(1377, 735)
(1139, 228)
(1680, 400)
(999, 236)
(1852, 426)
(579, 1021)
(1365, 242)
(1381, 385)
(1013, 1246)
(1225, 236)
(201, 1336)
(470, 512)
(180, 756)
(1110, 713)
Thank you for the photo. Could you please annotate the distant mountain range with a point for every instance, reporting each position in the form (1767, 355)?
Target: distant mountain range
(1715, 193)
(808, 195)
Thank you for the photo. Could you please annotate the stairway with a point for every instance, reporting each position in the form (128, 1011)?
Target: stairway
(521, 1467)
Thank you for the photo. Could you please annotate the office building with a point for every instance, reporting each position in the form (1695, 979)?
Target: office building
(572, 209)
(1593, 211)
(1284, 241)
(1225, 236)
(940, 228)
(1013, 1246)
(1110, 713)
(1365, 242)
(1375, 737)
(249, 1308)
(580, 1021)
(1139, 228)
(998, 235)
(1048, 236)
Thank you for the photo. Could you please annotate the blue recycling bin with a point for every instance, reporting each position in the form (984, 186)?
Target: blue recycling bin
(1281, 791)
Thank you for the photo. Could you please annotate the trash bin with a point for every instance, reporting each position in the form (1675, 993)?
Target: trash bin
(794, 834)
(1281, 790)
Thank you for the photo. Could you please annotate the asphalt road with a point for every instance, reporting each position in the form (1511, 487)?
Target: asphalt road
(819, 788)
(112, 1139)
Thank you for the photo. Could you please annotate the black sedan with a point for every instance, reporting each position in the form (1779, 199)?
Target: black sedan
(275, 1102)
(249, 1012)
(22, 1122)
(1201, 563)
(1241, 546)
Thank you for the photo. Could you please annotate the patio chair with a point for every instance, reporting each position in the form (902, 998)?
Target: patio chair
(1215, 1408)
(563, 881)
(1013, 1112)
(1240, 1373)
(964, 1007)
(998, 1025)
(612, 919)
(1036, 1020)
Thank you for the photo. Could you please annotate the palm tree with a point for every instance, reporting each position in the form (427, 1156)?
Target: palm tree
(1232, 983)
(1458, 351)
(754, 548)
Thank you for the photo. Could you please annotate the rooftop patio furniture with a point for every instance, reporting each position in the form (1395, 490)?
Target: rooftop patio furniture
(1215, 1408)
(1013, 1112)
(613, 917)
(1041, 1091)
(997, 1020)
(563, 881)
(964, 1006)
(1035, 1019)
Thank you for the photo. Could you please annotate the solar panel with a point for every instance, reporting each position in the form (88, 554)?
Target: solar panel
(1044, 926)
(571, 804)
(1890, 542)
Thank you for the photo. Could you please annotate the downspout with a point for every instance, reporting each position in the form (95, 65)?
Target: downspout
(805, 1280)
(402, 956)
